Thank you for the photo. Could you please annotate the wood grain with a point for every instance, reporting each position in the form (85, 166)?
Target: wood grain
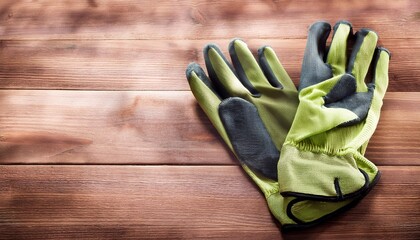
(100, 137)
(154, 127)
(198, 19)
(92, 127)
(156, 65)
(108, 202)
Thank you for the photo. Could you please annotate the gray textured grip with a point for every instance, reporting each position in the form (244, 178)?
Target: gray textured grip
(249, 137)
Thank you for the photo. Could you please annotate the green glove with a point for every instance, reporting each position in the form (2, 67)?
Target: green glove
(252, 106)
(322, 158)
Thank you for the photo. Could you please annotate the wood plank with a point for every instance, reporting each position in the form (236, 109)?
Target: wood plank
(154, 127)
(395, 127)
(198, 19)
(91, 127)
(182, 202)
(119, 139)
(155, 65)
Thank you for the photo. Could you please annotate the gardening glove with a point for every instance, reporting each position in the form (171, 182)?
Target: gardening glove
(252, 106)
(322, 157)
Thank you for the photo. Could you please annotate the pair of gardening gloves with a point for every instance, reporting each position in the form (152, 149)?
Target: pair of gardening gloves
(304, 147)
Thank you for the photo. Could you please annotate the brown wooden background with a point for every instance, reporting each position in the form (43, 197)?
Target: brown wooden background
(100, 137)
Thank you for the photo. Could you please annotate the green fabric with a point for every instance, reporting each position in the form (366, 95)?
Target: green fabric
(318, 153)
(320, 171)
(363, 60)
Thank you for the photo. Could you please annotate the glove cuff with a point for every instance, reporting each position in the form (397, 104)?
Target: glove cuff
(319, 176)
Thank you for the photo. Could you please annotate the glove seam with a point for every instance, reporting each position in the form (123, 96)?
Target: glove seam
(316, 149)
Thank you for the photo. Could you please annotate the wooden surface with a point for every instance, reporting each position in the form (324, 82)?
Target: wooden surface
(100, 137)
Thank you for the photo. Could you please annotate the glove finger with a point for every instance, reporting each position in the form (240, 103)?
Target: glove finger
(377, 88)
(207, 97)
(250, 139)
(361, 56)
(273, 69)
(337, 54)
(380, 75)
(196, 74)
(246, 67)
(222, 75)
(314, 69)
